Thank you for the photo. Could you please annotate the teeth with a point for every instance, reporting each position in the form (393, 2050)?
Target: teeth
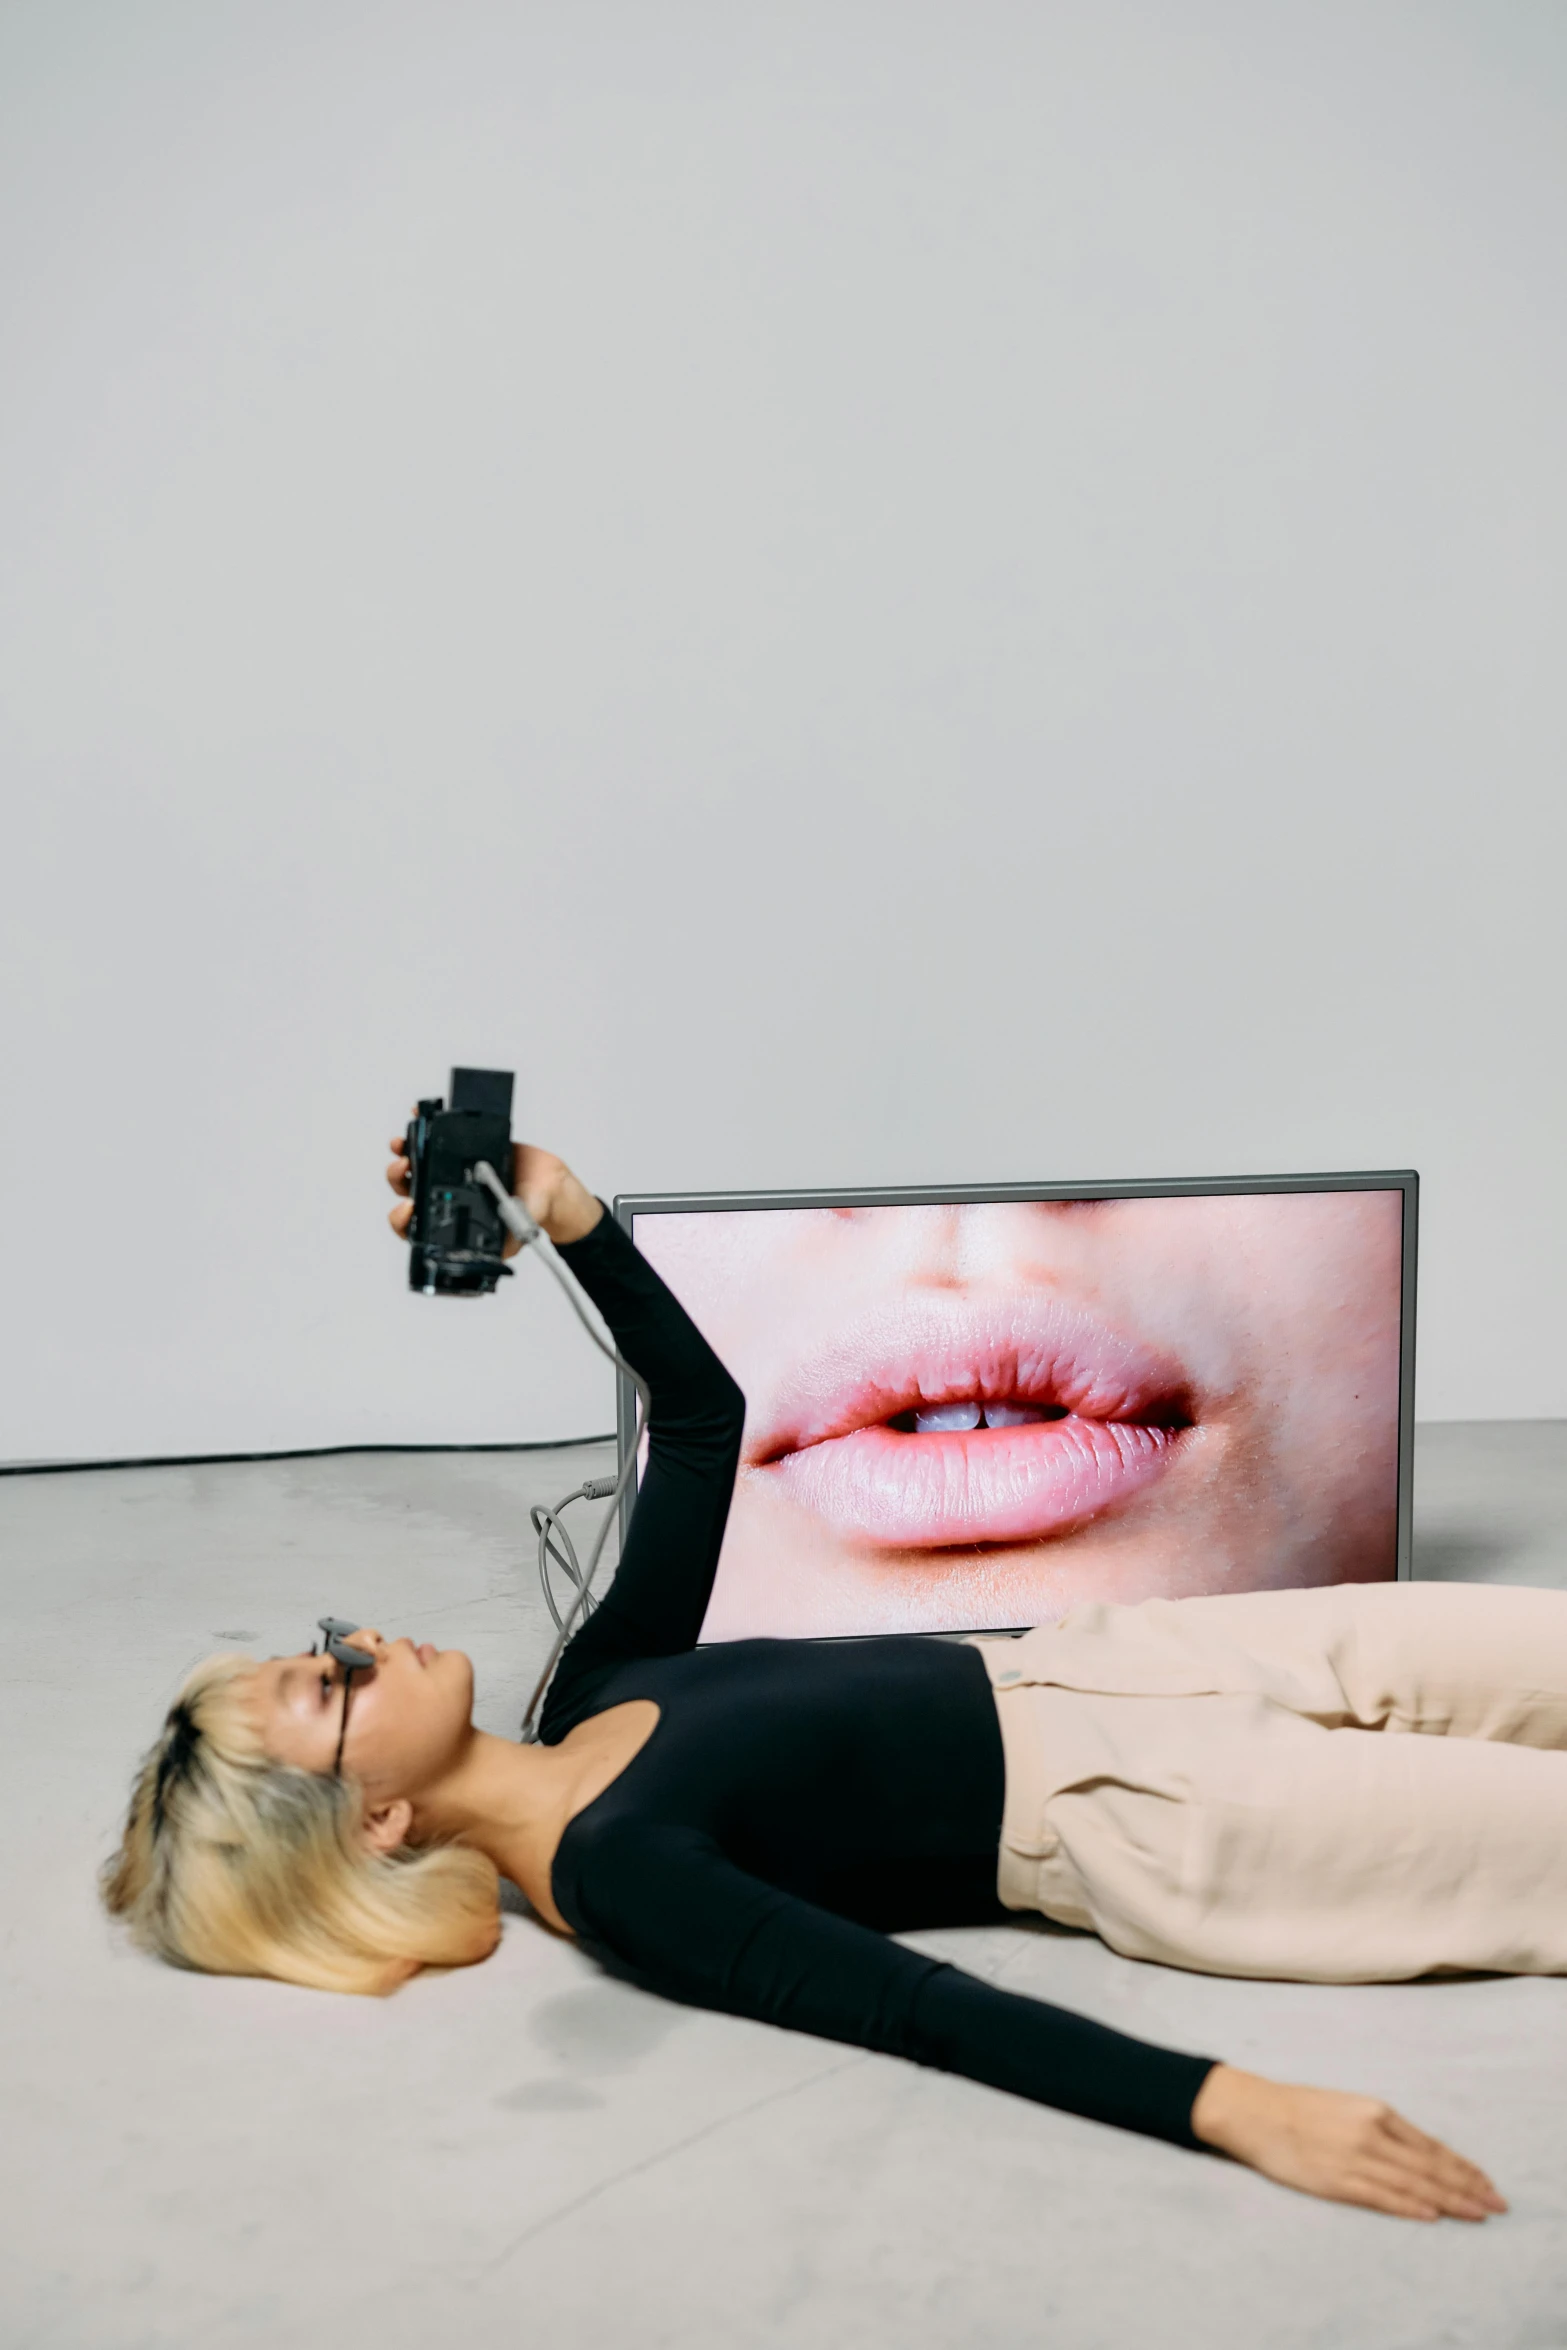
(938, 1418)
(945, 1419)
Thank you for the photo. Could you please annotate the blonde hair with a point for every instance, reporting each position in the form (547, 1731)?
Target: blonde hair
(237, 1865)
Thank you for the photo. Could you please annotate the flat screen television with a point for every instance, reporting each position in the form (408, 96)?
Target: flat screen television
(975, 1408)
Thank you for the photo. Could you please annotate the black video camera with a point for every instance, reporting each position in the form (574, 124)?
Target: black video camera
(457, 1235)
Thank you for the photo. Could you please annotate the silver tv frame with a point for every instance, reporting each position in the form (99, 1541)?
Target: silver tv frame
(631, 1204)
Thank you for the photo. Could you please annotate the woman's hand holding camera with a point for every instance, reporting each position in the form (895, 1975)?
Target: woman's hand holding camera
(546, 1186)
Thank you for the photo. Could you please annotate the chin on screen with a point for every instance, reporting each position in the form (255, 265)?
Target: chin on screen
(977, 1410)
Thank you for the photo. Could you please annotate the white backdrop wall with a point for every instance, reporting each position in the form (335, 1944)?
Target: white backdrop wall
(865, 591)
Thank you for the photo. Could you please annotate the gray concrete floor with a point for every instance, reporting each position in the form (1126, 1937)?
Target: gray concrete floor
(529, 2151)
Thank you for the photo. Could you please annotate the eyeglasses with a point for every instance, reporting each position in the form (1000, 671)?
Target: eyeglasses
(334, 1643)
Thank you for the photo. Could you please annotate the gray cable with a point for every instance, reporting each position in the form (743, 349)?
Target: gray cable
(548, 1526)
(520, 1224)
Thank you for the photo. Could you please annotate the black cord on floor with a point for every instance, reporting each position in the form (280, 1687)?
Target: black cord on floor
(292, 1452)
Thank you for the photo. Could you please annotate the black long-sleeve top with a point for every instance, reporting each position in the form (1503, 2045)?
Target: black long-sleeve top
(797, 1800)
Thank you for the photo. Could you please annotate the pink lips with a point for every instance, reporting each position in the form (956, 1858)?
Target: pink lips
(1079, 1420)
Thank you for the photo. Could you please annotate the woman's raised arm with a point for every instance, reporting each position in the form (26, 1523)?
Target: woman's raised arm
(660, 1593)
(661, 1588)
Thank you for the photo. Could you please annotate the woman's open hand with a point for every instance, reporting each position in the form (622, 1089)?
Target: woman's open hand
(546, 1186)
(1348, 2149)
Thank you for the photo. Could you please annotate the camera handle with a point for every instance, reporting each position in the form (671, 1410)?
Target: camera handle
(521, 1225)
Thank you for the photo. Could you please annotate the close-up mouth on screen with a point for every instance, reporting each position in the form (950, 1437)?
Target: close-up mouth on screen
(972, 1410)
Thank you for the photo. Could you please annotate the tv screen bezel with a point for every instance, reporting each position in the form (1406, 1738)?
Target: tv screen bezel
(627, 1206)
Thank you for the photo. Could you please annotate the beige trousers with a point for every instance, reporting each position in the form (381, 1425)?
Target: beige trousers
(1360, 1783)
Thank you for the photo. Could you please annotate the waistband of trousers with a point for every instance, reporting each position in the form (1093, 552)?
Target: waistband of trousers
(1032, 1871)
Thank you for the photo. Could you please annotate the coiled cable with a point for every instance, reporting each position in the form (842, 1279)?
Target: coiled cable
(556, 1548)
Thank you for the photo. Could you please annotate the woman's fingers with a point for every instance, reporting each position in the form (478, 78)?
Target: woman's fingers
(1434, 2169)
(1396, 2168)
(1373, 2192)
(397, 1175)
(1388, 2186)
(1393, 2167)
(1419, 2186)
(1446, 2168)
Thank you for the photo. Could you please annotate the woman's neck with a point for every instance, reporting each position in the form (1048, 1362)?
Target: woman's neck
(516, 1802)
(511, 1802)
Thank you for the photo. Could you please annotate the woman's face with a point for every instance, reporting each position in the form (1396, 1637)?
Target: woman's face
(970, 1416)
(408, 1719)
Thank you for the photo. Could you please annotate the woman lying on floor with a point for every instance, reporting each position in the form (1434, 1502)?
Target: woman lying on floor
(1220, 1784)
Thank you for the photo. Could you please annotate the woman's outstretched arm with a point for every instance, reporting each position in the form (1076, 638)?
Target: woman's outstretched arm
(667, 1902)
